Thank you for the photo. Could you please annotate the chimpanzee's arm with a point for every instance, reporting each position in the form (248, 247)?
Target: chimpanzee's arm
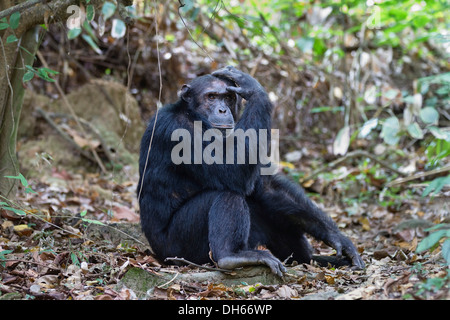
(258, 112)
(281, 196)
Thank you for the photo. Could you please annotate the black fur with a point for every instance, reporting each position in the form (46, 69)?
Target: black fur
(188, 210)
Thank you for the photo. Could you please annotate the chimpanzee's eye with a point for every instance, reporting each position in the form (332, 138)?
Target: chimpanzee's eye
(212, 96)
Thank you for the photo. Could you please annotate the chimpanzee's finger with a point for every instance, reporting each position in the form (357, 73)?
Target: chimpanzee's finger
(338, 248)
(237, 90)
(357, 261)
(275, 266)
(229, 72)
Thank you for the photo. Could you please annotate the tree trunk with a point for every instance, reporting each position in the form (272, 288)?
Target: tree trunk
(13, 58)
(12, 92)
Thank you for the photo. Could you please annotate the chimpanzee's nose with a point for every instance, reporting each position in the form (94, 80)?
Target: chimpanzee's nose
(222, 110)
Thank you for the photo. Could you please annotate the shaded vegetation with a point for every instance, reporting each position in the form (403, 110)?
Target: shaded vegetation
(361, 95)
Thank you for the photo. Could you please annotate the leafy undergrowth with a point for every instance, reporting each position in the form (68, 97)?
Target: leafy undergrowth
(78, 237)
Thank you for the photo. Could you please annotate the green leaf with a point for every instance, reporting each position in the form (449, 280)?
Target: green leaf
(305, 44)
(11, 38)
(73, 33)
(74, 259)
(390, 130)
(14, 20)
(440, 134)
(421, 21)
(342, 141)
(50, 70)
(398, 14)
(438, 226)
(29, 190)
(90, 12)
(2, 257)
(429, 115)
(446, 250)
(188, 5)
(21, 178)
(436, 185)
(443, 91)
(4, 25)
(118, 28)
(415, 131)
(431, 240)
(43, 74)
(319, 47)
(2, 253)
(108, 9)
(326, 109)
(367, 127)
(93, 221)
(390, 94)
(16, 211)
(92, 43)
(27, 76)
(30, 68)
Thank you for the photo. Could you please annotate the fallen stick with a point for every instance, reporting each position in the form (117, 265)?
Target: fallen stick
(418, 176)
(353, 154)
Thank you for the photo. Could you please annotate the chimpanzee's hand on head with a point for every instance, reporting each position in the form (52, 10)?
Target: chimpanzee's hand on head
(246, 85)
(343, 245)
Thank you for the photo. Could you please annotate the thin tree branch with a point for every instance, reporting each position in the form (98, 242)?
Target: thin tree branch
(20, 7)
(418, 176)
(357, 153)
(182, 4)
(184, 261)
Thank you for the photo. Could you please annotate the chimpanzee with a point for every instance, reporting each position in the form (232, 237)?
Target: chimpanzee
(225, 211)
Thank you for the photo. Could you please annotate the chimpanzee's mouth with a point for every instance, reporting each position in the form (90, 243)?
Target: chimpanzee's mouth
(222, 126)
(225, 129)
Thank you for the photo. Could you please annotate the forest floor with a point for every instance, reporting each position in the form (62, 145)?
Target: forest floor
(78, 237)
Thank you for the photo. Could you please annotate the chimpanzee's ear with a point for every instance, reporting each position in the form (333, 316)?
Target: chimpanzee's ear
(185, 93)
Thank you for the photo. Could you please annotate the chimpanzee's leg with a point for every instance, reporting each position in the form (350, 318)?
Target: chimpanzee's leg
(213, 221)
(284, 240)
(185, 235)
(283, 205)
(229, 229)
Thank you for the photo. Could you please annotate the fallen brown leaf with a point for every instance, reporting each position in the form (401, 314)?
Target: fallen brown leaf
(23, 230)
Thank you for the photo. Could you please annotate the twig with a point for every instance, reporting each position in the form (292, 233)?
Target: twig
(182, 260)
(357, 153)
(190, 34)
(418, 175)
(275, 34)
(165, 284)
(40, 218)
(32, 262)
(92, 226)
(19, 7)
(290, 256)
(159, 98)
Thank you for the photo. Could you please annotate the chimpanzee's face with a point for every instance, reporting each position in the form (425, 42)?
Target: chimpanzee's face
(216, 103)
(209, 97)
